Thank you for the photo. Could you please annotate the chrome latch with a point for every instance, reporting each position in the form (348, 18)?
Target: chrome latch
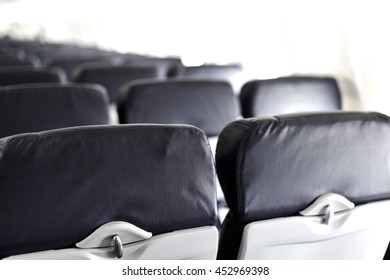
(118, 247)
(329, 214)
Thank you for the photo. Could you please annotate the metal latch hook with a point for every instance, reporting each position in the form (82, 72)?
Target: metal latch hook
(118, 247)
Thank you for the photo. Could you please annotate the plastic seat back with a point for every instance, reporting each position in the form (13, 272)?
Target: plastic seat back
(308, 186)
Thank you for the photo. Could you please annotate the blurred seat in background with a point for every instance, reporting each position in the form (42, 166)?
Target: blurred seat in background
(208, 105)
(32, 108)
(29, 75)
(163, 65)
(113, 77)
(286, 95)
(232, 73)
(7, 60)
(71, 64)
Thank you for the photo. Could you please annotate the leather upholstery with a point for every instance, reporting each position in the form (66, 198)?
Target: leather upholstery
(28, 75)
(13, 60)
(32, 108)
(58, 186)
(69, 65)
(209, 105)
(113, 77)
(289, 95)
(163, 65)
(275, 167)
(231, 73)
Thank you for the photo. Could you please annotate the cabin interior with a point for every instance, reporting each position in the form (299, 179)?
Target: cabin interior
(201, 129)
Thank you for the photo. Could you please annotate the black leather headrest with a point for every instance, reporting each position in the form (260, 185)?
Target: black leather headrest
(13, 60)
(163, 65)
(208, 71)
(69, 65)
(289, 95)
(209, 105)
(274, 167)
(113, 77)
(231, 73)
(36, 107)
(58, 186)
(29, 75)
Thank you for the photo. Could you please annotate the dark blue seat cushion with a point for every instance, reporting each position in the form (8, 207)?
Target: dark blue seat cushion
(57, 187)
(275, 167)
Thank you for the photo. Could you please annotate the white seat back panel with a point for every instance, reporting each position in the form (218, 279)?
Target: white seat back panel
(360, 233)
(195, 243)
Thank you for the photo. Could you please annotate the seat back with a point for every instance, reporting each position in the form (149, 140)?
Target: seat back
(164, 65)
(113, 77)
(32, 108)
(14, 60)
(30, 75)
(209, 105)
(232, 73)
(272, 169)
(71, 64)
(136, 191)
(289, 95)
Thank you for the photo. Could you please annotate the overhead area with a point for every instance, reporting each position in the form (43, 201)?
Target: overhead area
(212, 130)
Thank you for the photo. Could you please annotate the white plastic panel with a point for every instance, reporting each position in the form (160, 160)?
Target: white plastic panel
(335, 202)
(102, 237)
(360, 233)
(197, 243)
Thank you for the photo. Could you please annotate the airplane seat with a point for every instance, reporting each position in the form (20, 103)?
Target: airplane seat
(306, 186)
(113, 77)
(49, 53)
(208, 105)
(286, 95)
(232, 73)
(108, 192)
(164, 65)
(70, 64)
(16, 75)
(36, 107)
(8, 60)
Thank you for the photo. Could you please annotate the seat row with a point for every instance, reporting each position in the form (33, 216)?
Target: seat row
(257, 98)
(209, 105)
(80, 63)
(303, 186)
